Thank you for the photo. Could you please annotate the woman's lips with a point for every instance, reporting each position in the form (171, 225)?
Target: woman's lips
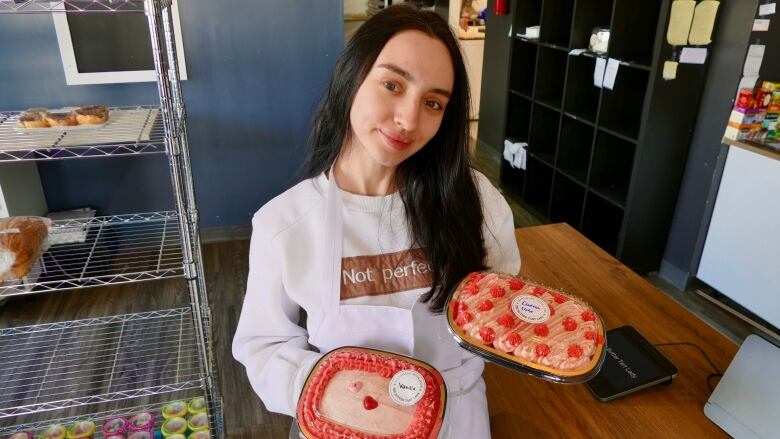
(397, 142)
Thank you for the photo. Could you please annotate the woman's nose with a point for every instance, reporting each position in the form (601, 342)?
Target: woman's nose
(407, 113)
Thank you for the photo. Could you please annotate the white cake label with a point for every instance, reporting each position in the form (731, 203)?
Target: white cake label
(531, 309)
(407, 387)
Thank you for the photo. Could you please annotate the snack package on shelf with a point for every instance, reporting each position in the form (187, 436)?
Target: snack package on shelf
(358, 392)
(527, 327)
(143, 421)
(23, 239)
(174, 409)
(55, 431)
(173, 426)
(196, 405)
(82, 429)
(755, 114)
(115, 426)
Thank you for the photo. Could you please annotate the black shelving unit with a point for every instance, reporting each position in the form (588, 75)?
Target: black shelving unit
(608, 162)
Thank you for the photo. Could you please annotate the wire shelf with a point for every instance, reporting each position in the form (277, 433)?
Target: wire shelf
(128, 131)
(113, 250)
(82, 362)
(98, 417)
(75, 6)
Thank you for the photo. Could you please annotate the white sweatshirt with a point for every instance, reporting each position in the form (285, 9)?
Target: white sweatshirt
(286, 275)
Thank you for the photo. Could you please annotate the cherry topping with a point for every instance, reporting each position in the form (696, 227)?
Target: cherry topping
(574, 351)
(463, 318)
(541, 330)
(487, 334)
(516, 284)
(370, 403)
(506, 320)
(497, 292)
(542, 350)
(486, 305)
(514, 339)
(569, 324)
(588, 316)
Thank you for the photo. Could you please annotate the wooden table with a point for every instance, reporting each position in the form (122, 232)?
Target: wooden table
(522, 406)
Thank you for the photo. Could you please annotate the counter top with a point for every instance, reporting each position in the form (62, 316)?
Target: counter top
(758, 148)
(525, 407)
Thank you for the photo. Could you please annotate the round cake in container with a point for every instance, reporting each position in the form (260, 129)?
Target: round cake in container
(527, 327)
(366, 393)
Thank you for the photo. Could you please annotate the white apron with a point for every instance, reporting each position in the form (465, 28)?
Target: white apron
(412, 332)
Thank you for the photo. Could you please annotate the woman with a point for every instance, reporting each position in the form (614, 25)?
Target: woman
(389, 219)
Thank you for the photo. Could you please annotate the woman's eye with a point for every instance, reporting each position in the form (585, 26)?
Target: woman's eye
(390, 85)
(433, 105)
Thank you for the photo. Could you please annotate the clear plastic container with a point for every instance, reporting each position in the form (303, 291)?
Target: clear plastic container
(197, 405)
(174, 409)
(55, 431)
(203, 434)
(140, 434)
(143, 421)
(81, 429)
(527, 327)
(21, 435)
(174, 426)
(367, 392)
(198, 422)
(115, 426)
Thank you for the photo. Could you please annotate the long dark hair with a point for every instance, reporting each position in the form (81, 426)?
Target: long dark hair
(436, 184)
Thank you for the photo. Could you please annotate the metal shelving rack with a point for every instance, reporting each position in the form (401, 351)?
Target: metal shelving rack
(115, 365)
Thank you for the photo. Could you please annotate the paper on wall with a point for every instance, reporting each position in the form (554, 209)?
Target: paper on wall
(670, 70)
(767, 9)
(703, 22)
(761, 25)
(598, 72)
(520, 157)
(610, 75)
(693, 55)
(755, 57)
(680, 22)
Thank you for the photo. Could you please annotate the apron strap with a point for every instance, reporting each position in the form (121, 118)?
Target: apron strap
(334, 227)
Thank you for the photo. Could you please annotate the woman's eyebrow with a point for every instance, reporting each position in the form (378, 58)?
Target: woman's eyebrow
(406, 75)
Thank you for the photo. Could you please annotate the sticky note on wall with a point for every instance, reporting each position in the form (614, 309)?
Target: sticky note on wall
(680, 22)
(703, 22)
(670, 70)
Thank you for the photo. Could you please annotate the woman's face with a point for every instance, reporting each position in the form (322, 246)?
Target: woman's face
(400, 105)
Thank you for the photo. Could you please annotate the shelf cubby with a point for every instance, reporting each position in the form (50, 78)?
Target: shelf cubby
(574, 149)
(556, 22)
(633, 30)
(527, 14)
(568, 198)
(523, 67)
(588, 16)
(518, 119)
(621, 107)
(582, 97)
(538, 186)
(551, 71)
(544, 134)
(610, 172)
(602, 222)
(512, 180)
